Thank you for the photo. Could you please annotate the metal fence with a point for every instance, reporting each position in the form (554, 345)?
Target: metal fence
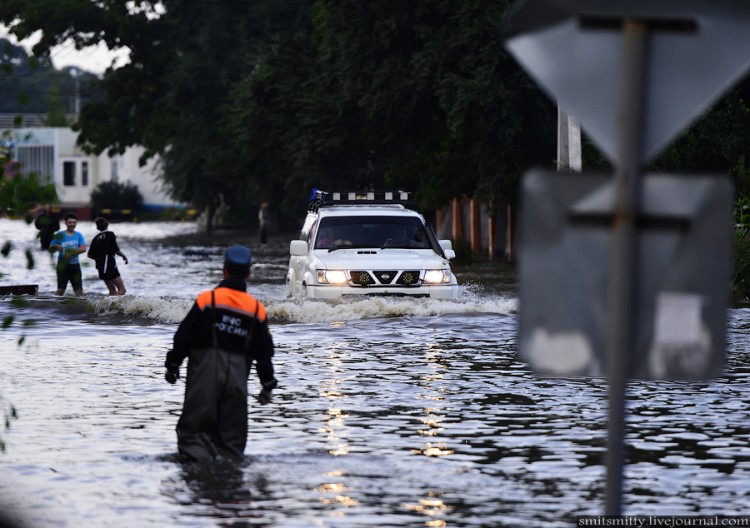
(8, 121)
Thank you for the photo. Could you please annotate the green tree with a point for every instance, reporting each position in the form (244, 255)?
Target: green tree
(116, 195)
(184, 56)
(253, 101)
(56, 115)
(22, 192)
(217, 48)
(718, 142)
(419, 95)
(33, 85)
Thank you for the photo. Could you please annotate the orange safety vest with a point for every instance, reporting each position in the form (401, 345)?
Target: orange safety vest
(232, 301)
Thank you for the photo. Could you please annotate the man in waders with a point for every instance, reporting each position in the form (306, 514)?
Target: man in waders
(224, 332)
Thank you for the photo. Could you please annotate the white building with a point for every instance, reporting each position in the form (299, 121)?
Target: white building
(53, 154)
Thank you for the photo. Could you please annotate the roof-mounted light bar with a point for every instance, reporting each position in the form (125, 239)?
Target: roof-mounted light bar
(320, 198)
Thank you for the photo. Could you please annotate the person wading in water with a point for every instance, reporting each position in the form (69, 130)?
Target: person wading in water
(225, 331)
(103, 250)
(70, 243)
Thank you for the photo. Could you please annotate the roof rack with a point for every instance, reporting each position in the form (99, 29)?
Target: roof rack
(320, 198)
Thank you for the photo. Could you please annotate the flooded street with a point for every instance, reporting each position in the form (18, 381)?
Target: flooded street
(389, 412)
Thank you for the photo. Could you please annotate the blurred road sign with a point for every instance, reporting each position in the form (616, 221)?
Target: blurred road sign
(682, 266)
(634, 72)
(572, 48)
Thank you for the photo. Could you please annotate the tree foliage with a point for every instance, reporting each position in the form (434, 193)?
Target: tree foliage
(419, 95)
(32, 85)
(254, 101)
(251, 101)
(116, 195)
(21, 193)
(718, 142)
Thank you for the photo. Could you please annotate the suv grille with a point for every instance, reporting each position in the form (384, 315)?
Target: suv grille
(385, 277)
(368, 278)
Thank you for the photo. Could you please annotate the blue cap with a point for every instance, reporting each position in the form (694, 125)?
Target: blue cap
(238, 256)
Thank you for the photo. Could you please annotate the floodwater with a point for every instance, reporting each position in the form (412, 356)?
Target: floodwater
(390, 412)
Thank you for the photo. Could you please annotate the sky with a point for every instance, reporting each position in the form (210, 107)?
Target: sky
(93, 59)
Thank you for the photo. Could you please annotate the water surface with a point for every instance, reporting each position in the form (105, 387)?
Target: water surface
(390, 412)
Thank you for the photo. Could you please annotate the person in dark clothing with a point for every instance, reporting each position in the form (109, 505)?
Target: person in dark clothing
(224, 332)
(103, 249)
(264, 218)
(48, 224)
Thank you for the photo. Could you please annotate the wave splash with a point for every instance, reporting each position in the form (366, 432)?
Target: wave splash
(145, 310)
(316, 311)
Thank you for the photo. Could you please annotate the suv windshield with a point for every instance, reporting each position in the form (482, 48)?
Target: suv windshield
(372, 231)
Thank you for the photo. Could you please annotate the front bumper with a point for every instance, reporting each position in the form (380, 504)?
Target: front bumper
(326, 291)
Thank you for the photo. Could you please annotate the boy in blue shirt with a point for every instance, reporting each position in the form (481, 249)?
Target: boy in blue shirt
(70, 243)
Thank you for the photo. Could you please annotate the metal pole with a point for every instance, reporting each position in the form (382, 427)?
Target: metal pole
(623, 264)
(568, 142)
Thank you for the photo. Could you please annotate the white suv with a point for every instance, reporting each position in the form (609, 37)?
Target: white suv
(369, 243)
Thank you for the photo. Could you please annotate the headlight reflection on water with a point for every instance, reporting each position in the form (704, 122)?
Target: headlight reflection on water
(431, 506)
(330, 389)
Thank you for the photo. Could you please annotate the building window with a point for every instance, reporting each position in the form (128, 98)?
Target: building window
(69, 173)
(37, 159)
(84, 173)
(115, 176)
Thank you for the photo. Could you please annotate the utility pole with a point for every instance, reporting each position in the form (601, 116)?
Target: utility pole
(76, 91)
(569, 157)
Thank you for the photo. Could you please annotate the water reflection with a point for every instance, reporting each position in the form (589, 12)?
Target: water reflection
(389, 413)
(331, 391)
(432, 507)
(219, 489)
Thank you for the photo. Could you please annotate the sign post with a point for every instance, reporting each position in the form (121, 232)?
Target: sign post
(570, 47)
(623, 254)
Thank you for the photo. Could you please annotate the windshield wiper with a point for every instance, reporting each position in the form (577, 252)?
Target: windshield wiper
(347, 246)
(342, 246)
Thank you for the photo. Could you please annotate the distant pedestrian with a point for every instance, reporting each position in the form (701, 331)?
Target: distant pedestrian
(264, 218)
(224, 332)
(103, 250)
(69, 243)
(48, 224)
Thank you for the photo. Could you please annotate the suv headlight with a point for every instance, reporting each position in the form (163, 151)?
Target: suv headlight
(437, 276)
(331, 277)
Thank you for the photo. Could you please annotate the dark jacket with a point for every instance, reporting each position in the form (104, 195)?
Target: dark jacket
(48, 224)
(214, 414)
(103, 249)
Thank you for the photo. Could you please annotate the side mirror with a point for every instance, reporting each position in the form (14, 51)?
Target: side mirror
(298, 248)
(447, 247)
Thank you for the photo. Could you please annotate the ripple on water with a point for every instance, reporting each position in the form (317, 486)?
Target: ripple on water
(390, 412)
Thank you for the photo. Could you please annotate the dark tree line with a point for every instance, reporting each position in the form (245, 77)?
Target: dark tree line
(31, 85)
(248, 101)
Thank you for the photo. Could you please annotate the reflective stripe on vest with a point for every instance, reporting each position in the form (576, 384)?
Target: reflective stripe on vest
(234, 301)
